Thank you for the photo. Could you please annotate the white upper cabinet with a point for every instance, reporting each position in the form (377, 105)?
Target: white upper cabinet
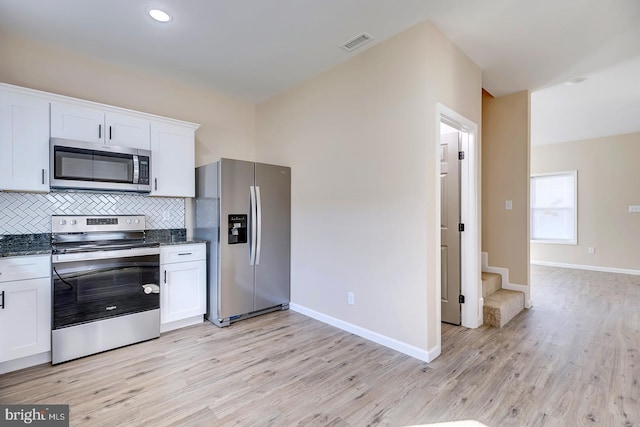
(81, 123)
(77, 123)
(127, 131)
(29, 118)
(24, 142)
(172, 160)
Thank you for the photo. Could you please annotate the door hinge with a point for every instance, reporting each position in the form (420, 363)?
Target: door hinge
(460, 227)
(460, 155)
(461, 299)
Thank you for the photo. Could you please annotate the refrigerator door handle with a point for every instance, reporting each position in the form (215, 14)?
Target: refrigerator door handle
(259, 221)
(254, 226)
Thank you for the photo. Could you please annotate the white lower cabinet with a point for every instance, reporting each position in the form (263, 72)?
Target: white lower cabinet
(25, 306)
(183, 285)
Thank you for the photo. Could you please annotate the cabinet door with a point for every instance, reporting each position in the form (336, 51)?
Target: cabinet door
(127, 131)
(183, 290)
(24, 143)
(172, 160)
(77, 123)
(25, 318)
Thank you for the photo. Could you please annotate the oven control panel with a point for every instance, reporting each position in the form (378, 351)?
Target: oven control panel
(85, 223)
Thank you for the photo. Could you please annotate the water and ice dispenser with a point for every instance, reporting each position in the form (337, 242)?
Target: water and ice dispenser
(237, 232)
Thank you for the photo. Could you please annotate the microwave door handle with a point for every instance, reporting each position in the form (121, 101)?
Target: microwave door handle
(136, 169)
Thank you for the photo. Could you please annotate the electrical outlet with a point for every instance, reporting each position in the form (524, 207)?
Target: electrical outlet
(508, 205)
(166, 215)
(592, 251)
(351, 298)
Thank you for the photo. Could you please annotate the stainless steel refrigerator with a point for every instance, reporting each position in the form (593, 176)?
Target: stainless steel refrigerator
(243, 209)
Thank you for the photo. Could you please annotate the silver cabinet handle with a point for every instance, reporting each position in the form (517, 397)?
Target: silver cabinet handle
(2, 305)
(165, 276)
(42, 176)
(259, 224)
(110, 133)
(185, 253)
(99, 131)
(155, 180)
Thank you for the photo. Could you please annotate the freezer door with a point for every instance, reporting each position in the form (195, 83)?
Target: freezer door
(272, 276)
(236, 282)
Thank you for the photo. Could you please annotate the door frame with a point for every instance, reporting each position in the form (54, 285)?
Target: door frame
(470, 191)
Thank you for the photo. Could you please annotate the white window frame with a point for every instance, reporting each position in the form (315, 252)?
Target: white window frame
(574, 175)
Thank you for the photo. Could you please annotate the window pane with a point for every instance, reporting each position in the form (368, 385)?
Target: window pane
(553, 210)
(553, 191)
(552, 224)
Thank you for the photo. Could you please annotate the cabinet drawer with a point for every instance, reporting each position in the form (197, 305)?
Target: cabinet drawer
(24, 267)
(183, 253)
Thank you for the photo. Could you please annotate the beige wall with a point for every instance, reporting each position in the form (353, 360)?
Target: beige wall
(608, 180)
(361, 141)
(505, 176)
(227, 125)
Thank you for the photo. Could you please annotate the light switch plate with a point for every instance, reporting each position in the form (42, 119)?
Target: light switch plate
(508, 205)
(634, 209)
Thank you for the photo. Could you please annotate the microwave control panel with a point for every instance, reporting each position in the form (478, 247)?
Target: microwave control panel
(143, 178)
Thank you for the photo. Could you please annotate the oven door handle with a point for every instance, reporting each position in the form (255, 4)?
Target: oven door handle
(120, 253)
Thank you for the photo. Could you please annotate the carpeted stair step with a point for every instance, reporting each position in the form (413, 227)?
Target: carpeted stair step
(491, 282)
(502, 306)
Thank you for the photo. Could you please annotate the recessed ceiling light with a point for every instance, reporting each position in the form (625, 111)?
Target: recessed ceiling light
(159, 15)
(575, 81)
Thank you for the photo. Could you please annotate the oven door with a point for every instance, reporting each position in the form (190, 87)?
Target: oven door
(100, 285)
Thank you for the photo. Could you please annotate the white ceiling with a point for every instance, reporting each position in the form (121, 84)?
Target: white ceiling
(254, 49)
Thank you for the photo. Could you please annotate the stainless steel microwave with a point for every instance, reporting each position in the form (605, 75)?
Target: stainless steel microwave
(77, 165)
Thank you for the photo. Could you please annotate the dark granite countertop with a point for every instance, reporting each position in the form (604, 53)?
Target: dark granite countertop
(40, 244)
(25, 244)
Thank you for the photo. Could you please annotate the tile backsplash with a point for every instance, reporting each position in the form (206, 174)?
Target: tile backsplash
(29, 213)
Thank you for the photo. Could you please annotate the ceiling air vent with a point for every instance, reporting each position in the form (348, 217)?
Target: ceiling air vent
(356, 42)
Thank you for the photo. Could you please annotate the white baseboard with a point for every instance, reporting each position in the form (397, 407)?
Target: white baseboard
(25, 362)
(418, 353)
(588, 267)
(504, 272)
(195, 320)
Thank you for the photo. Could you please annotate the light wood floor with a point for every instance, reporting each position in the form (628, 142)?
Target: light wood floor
(573, 359)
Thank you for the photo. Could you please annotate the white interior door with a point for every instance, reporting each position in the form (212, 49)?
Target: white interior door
(449, 231)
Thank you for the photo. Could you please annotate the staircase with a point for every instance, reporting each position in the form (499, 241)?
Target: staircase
(500, 305)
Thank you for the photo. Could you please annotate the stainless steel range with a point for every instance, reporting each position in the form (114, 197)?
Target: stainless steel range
(106, 279)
